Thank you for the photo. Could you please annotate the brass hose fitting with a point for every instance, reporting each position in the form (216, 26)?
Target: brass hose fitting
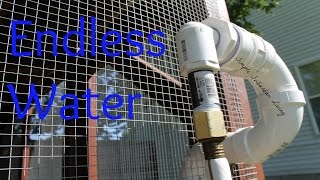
(210, 131)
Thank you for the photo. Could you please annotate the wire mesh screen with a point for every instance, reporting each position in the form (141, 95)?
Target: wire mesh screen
(151, 135)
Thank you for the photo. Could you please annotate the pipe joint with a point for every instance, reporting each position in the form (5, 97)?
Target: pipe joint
(213, 149)
(209, 124)
(277, 99)
(196, 49)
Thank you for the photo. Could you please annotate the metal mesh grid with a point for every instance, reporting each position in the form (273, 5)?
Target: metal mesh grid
(150, 146)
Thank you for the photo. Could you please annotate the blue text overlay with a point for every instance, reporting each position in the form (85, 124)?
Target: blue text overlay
(88, 96)
(105, 45)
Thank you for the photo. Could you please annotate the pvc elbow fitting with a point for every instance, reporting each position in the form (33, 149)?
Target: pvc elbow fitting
(196, 48)
(279, 100)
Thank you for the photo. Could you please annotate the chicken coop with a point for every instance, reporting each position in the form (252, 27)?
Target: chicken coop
(151, 136)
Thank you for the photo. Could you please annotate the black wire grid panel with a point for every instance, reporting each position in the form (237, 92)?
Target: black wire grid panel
(151, 145)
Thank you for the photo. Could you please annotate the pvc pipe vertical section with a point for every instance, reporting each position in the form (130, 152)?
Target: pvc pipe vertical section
(218, 169)
(196, 167)
(198, 61)
(205, 98)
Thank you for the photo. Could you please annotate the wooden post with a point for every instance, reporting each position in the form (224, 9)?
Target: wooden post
(26, 153)
(92, 134)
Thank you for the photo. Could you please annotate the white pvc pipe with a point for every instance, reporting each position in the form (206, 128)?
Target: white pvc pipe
(196, 167)
(219, 169)
(280, 102)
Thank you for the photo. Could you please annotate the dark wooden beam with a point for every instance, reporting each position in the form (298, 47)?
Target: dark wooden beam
(75, 164)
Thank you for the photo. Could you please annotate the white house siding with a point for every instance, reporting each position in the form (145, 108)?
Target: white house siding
(294, 30)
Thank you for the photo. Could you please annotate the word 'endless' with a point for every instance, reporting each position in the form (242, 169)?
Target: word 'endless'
(108, 41)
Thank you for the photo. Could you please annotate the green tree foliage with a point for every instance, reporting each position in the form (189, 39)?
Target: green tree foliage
(239, 10)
